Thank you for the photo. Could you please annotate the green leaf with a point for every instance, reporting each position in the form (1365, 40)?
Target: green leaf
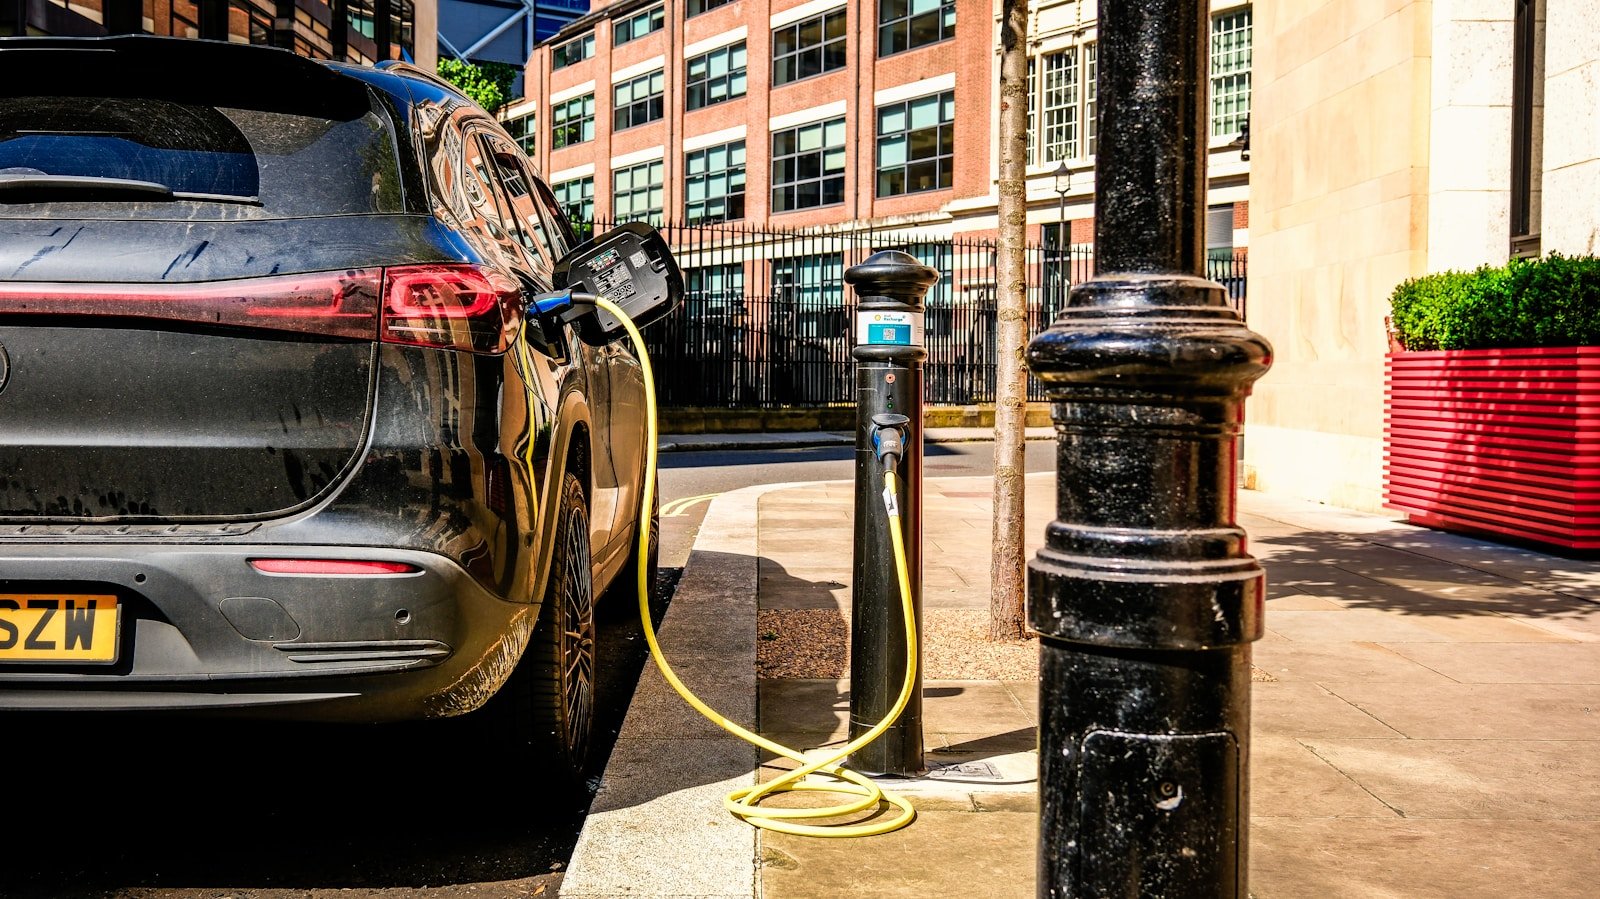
(1547, 302)
(487, 84)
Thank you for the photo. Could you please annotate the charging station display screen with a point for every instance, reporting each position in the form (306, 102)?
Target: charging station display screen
(888, 328)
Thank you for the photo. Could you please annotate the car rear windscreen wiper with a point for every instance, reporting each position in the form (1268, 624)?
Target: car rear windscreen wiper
(43, 188)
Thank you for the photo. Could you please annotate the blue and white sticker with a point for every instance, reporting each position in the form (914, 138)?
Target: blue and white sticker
(880, 328)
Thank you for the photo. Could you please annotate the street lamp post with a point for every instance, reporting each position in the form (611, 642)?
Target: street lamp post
(1063, 179)
(1144, 597)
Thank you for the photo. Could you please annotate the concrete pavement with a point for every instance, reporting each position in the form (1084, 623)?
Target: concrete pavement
(1426, 721)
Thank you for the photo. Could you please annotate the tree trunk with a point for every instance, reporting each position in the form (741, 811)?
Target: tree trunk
(1007, 574)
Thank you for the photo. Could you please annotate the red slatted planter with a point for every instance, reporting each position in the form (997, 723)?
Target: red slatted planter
(1503, 442)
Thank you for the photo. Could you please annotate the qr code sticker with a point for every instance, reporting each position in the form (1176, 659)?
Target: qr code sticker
(640, 259)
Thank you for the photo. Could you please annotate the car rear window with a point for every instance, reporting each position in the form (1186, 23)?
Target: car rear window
(242, 162)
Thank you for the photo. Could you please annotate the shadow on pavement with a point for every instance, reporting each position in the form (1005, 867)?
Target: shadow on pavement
(1358, 574)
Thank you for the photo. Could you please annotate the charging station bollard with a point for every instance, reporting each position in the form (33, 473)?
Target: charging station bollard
(888, 351)
(1144, 596)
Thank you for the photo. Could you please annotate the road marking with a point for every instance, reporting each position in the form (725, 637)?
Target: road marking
(679, 507)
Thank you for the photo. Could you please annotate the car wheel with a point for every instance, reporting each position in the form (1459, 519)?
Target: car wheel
(550, 699)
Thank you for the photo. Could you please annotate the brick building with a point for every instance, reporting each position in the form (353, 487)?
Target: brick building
(839, 113)
(361, 31)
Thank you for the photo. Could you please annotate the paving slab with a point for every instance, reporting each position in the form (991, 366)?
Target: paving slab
(1475, 711)
(1310, 710)
(816, 707)
(1573, 619)
(1508, 663)
(1411, 858)
(1288, 779)
(1504, 780)
(1289, 661)
(972, 706)
(985, 850)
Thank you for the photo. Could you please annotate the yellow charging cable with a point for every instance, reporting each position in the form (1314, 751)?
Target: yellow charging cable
(745, 802)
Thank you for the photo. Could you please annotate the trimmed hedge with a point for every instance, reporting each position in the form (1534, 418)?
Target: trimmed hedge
(1554, 301)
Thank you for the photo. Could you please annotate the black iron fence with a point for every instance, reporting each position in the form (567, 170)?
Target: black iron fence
(766, 317)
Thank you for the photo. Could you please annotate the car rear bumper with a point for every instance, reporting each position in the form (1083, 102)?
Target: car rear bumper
(200, 628)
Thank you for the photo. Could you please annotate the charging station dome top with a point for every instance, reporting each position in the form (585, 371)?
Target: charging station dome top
(892, 274)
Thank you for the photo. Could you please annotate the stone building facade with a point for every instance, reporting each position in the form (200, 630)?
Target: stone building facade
(1393, 139)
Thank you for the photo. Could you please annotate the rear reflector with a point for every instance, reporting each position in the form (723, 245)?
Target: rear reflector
(330, 566)
(329, 304)
(458, 307)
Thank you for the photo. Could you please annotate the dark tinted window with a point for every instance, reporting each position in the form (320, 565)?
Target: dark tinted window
(191, 149)
(297, 165)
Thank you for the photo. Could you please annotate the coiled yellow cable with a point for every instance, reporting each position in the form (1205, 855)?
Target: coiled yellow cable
(745, 803)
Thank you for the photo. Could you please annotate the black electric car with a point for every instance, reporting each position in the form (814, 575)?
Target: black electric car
(280, 432)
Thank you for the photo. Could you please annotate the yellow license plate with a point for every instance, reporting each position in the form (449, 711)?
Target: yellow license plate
(58, 627)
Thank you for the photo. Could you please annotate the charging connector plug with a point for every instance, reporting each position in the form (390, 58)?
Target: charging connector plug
(561, 306)
(889, 438)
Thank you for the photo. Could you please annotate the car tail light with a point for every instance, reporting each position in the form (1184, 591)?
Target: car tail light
(331, 566)
(458, 307)
(330, 304)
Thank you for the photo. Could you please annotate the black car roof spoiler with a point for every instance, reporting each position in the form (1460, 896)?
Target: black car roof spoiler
(182, 70)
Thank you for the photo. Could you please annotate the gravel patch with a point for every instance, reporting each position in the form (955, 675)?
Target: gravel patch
(955, 646)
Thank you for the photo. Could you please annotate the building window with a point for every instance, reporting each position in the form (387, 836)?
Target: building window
(185, 18)
(576, 199)
(908, 24)
(637, 101)
(1230, 72)
(808, 166)
(523, 129)
(1033, 108)
(1219, 231)
(1091, 94)
(808, 48)
(1061, 105)
(635, 27)
(572, 122)
(714, 183)
(1527, 123)
(248, 25)
(636, 193)
(916, 144)
(573, 51)
(808, 296)
(696, 7)
(716, 76)
(714, 288)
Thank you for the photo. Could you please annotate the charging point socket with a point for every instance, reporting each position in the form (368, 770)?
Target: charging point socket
(631, 266)
(889, 437)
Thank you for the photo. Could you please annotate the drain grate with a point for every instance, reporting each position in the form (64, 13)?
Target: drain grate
(964, 771)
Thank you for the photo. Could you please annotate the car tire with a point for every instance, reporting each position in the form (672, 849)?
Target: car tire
(623, 597)
(549, 703)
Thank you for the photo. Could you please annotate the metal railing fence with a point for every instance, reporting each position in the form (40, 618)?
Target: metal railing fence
(766, 317)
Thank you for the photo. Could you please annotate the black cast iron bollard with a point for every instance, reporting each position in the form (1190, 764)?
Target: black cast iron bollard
(1144, 595)
(888, 351)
